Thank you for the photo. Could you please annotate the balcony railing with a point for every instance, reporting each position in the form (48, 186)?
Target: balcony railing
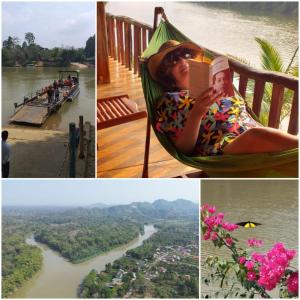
(128, 38)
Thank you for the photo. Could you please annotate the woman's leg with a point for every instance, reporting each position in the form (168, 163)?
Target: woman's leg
(260, 140)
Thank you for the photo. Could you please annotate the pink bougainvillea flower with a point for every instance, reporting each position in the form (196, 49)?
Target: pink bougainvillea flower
(229, 226)
(254, 243)
(206, 235)
(211, 209)
(214, 236)
(251, 276)
(229, 241)
(292, 283)
(249, 264)
(273, 265)
(242, 260)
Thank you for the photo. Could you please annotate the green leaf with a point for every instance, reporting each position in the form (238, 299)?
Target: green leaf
(271, 59)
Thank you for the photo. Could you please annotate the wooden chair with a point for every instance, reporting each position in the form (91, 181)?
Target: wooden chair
(117, 110)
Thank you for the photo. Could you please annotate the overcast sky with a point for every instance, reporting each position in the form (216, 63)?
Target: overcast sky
(86, 192)
(53, 23)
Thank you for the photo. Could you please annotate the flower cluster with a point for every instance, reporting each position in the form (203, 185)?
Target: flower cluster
(292, 283)
(214, 221)
(264, 271)
(254, 243)
(272, 265)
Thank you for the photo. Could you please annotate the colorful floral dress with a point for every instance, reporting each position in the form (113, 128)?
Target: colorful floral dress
(225, 120)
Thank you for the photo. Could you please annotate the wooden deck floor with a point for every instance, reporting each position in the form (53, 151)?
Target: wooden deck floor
(121, 148)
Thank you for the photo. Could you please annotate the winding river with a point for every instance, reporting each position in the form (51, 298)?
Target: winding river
(59, 278)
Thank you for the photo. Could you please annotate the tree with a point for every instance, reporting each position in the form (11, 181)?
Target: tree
(89, 50)
(29, 37)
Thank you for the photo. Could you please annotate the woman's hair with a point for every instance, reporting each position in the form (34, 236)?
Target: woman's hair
(166, 79)
(164, 76)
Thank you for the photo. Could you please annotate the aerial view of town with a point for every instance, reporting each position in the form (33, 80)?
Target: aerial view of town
(165, 266)
(108, 249)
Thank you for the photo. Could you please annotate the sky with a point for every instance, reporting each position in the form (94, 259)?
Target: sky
(53, 23)
(85, 192)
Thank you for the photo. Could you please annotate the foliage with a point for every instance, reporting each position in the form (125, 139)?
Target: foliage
(19, 260)
(247, 273)
(144, 275)
(13, 54)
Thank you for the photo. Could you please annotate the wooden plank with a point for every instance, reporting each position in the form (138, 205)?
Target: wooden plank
(128, 44)
(294, 117)
(258, 96)
(276, 105)
(103, 75)
(113, 38)
(144, 39)
(243, 85)
(137, 48)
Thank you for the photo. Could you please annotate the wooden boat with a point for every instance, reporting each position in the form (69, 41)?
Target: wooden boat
(38, 106)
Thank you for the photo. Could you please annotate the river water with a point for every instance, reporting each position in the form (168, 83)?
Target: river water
(18, 82)
(59, 278)
(218, 29)
(274, 203)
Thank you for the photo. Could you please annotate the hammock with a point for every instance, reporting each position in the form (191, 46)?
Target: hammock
(279, 164)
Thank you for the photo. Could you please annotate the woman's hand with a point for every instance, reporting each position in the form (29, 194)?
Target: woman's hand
(205, 101)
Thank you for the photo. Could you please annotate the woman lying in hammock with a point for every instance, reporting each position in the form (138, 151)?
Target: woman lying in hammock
(211, 124)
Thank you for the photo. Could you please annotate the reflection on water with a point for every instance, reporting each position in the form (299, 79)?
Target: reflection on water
(217, 29)
(18, 82)
(274, 203)
(59, 278)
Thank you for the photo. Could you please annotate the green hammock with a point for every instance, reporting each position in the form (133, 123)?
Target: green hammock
(280, 164)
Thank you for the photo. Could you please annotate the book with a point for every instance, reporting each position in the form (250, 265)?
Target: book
(216, 74)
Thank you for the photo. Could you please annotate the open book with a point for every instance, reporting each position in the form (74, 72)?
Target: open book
(203, 75)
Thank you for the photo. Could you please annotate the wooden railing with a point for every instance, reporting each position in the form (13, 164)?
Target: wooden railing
(279, 82)
(127, 39)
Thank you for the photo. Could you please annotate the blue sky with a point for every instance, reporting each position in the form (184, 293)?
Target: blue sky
(53, 23)
(85, 192)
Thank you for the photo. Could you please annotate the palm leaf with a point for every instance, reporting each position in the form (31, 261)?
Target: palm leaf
(270, 57)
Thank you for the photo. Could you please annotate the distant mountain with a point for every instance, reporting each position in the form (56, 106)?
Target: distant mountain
(139, 212)
(98, 205)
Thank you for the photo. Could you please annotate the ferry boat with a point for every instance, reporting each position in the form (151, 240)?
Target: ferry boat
(37, 107)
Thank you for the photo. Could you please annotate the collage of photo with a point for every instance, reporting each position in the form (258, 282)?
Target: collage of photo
(149, 149)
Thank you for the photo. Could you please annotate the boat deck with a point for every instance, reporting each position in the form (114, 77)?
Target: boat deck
(30, 114)
(121, 148)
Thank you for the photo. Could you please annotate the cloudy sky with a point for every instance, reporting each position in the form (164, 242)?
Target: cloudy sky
(86, 192)
(53, 23)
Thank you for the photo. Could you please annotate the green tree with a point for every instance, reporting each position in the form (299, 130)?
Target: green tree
(89, 50)
(30, 38)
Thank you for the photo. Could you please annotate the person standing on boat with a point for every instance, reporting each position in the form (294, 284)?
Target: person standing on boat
(6, 150)
(56, 93)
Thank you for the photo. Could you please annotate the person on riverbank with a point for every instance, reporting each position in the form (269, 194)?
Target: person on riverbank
(212, 124)
(6, 151)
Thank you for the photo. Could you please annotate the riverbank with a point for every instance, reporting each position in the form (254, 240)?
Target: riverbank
(41, 153)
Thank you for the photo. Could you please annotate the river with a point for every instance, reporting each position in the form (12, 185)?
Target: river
(218, 29)
(59, 278)
(18, 82)
(274, 203)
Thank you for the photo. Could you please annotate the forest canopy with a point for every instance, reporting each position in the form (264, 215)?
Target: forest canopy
(21, 53)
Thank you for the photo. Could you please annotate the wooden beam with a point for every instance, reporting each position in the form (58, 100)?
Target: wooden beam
(103, 75)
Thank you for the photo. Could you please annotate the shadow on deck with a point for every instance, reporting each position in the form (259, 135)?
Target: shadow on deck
(121, 148)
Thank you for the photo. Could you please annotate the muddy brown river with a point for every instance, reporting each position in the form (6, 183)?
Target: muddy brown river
(59, 278)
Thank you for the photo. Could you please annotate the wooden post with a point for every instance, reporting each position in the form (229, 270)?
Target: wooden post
(72, 149)
(103, 75)
(81, 135)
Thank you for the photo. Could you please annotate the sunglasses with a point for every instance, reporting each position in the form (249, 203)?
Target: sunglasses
(174, 57)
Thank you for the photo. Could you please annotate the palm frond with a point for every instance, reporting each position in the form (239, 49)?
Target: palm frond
(270, 57)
